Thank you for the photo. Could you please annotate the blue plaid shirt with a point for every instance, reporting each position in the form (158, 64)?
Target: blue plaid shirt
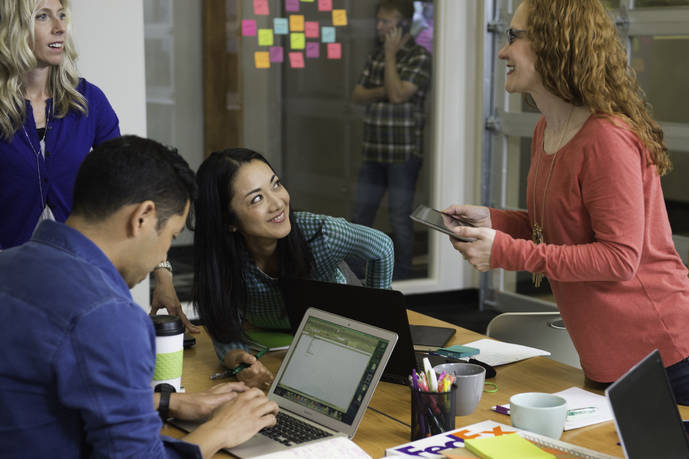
(331, 240)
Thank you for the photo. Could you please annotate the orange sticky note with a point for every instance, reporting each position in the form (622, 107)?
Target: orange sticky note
(296, 60)
(262, 59)
(311, 28)
(296, 22)
(339, 17)
(334, 50)
(297, 41)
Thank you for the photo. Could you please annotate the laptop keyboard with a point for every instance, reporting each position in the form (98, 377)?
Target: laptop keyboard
(292, 431)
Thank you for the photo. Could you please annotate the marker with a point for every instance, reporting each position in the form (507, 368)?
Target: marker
(238, 368)
(585, 410)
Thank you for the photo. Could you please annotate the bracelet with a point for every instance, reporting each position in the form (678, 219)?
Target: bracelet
(165, 390)
(164, 265)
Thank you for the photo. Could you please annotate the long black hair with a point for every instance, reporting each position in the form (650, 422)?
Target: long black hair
(219, 289)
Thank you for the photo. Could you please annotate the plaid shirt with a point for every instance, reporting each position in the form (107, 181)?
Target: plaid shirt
(331, 240)
(394, 132)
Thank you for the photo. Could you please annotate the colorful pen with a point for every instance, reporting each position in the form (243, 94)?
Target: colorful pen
(238, 368)
(585, 410)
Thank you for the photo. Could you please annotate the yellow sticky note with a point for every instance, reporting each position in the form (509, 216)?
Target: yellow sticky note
(339, 17)
(296, 22)
(262, 59)
(265, 37)
(297, 41)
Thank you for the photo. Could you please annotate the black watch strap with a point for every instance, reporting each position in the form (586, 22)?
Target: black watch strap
(165, 390)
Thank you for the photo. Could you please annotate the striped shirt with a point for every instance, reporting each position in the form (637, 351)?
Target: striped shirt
(394, 132)
(331, 240)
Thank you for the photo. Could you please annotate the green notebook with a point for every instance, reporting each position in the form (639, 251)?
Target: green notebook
(273, 340)
(510, 446)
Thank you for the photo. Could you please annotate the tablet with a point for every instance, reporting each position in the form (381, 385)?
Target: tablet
(439, 221)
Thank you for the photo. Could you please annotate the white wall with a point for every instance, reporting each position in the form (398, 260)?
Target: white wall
(109, 37)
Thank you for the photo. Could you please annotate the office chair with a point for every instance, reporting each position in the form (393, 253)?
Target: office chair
(543, 330)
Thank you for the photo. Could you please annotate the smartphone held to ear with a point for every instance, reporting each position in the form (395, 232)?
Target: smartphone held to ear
(439, 221)
(404, 26)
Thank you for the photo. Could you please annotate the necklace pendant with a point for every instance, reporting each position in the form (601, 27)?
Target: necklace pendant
(537, 238)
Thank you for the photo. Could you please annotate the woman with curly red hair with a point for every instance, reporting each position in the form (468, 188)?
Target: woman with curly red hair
(596, 224)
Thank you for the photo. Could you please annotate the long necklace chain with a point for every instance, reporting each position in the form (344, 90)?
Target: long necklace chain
(537, 228)
(36, 154)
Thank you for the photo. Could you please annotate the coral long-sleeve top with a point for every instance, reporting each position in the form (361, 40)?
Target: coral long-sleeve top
(621, 288)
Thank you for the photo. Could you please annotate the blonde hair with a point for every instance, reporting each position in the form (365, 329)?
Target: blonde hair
(582, 60)
(17, 58)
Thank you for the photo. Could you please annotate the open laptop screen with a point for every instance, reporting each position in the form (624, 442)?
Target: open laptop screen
(646, 414)
(330, 369)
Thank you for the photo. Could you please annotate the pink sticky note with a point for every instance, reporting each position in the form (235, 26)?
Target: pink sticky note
(334, 50)
(311, 29)
(291, 5)
(261, 7)
(313, 50)
(325, 5)
(249, 27)
(277, 54)
(296, 60)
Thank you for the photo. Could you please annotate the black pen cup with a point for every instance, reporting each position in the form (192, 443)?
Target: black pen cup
(432, 412)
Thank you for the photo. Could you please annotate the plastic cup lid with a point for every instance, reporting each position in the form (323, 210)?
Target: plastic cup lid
(167, 325)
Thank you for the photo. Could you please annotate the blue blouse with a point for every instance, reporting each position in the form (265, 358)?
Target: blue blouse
(28, 180)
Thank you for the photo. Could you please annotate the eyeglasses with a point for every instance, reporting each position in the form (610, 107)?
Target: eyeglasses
(513, 34)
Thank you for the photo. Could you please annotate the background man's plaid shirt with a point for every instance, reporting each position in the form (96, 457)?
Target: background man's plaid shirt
(394, 132)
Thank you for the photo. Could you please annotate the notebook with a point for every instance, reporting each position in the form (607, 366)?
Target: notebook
(378, 307)
(506, 447)
(325, 381)
(646, 416)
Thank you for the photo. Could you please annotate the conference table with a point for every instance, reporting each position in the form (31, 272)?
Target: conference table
(380, 431)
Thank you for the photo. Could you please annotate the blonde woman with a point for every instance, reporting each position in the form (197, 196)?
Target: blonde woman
(49, 117)
(596, 224)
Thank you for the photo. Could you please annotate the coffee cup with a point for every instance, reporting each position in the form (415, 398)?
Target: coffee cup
(538, 412)
(469, 379)
(169, 350)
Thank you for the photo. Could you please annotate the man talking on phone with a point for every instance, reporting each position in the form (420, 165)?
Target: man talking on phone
(393, 86)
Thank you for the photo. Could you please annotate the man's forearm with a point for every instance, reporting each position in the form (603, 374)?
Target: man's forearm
(362, 95)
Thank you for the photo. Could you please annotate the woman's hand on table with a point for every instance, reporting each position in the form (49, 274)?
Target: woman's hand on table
(255, 375)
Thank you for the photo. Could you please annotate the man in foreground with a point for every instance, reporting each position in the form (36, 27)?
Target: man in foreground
(76, 353)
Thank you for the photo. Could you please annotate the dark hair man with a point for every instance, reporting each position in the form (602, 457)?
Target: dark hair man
(393, 86)
(76, 353)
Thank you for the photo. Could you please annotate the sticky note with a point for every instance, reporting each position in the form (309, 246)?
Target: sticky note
(311, 28)
(297, 40)
(339, 17)
(325, 5)
(334, 50)
(307, 1)
(277, 54)
(313, 49)
(249, 27)
(328, 34)
(296, 23)
(291, 5)
(296, 60)
(262, 59)
(265, 37)
(261, 7)
(280, 26)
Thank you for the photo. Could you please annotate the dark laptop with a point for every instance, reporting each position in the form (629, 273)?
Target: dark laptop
(378, 307)
(646, 416)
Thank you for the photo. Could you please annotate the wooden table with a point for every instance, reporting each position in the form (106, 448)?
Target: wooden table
(378, 432)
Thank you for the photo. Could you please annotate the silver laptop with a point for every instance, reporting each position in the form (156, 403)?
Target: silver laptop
(646, 415)
(324, 383)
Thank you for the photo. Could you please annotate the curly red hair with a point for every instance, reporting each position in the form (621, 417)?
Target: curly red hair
(582, 60)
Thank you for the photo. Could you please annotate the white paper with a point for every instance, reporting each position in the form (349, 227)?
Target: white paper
(336, 447)
(498, 353)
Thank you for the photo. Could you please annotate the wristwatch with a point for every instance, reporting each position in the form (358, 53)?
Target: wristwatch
(165, 390)
(164, 265)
